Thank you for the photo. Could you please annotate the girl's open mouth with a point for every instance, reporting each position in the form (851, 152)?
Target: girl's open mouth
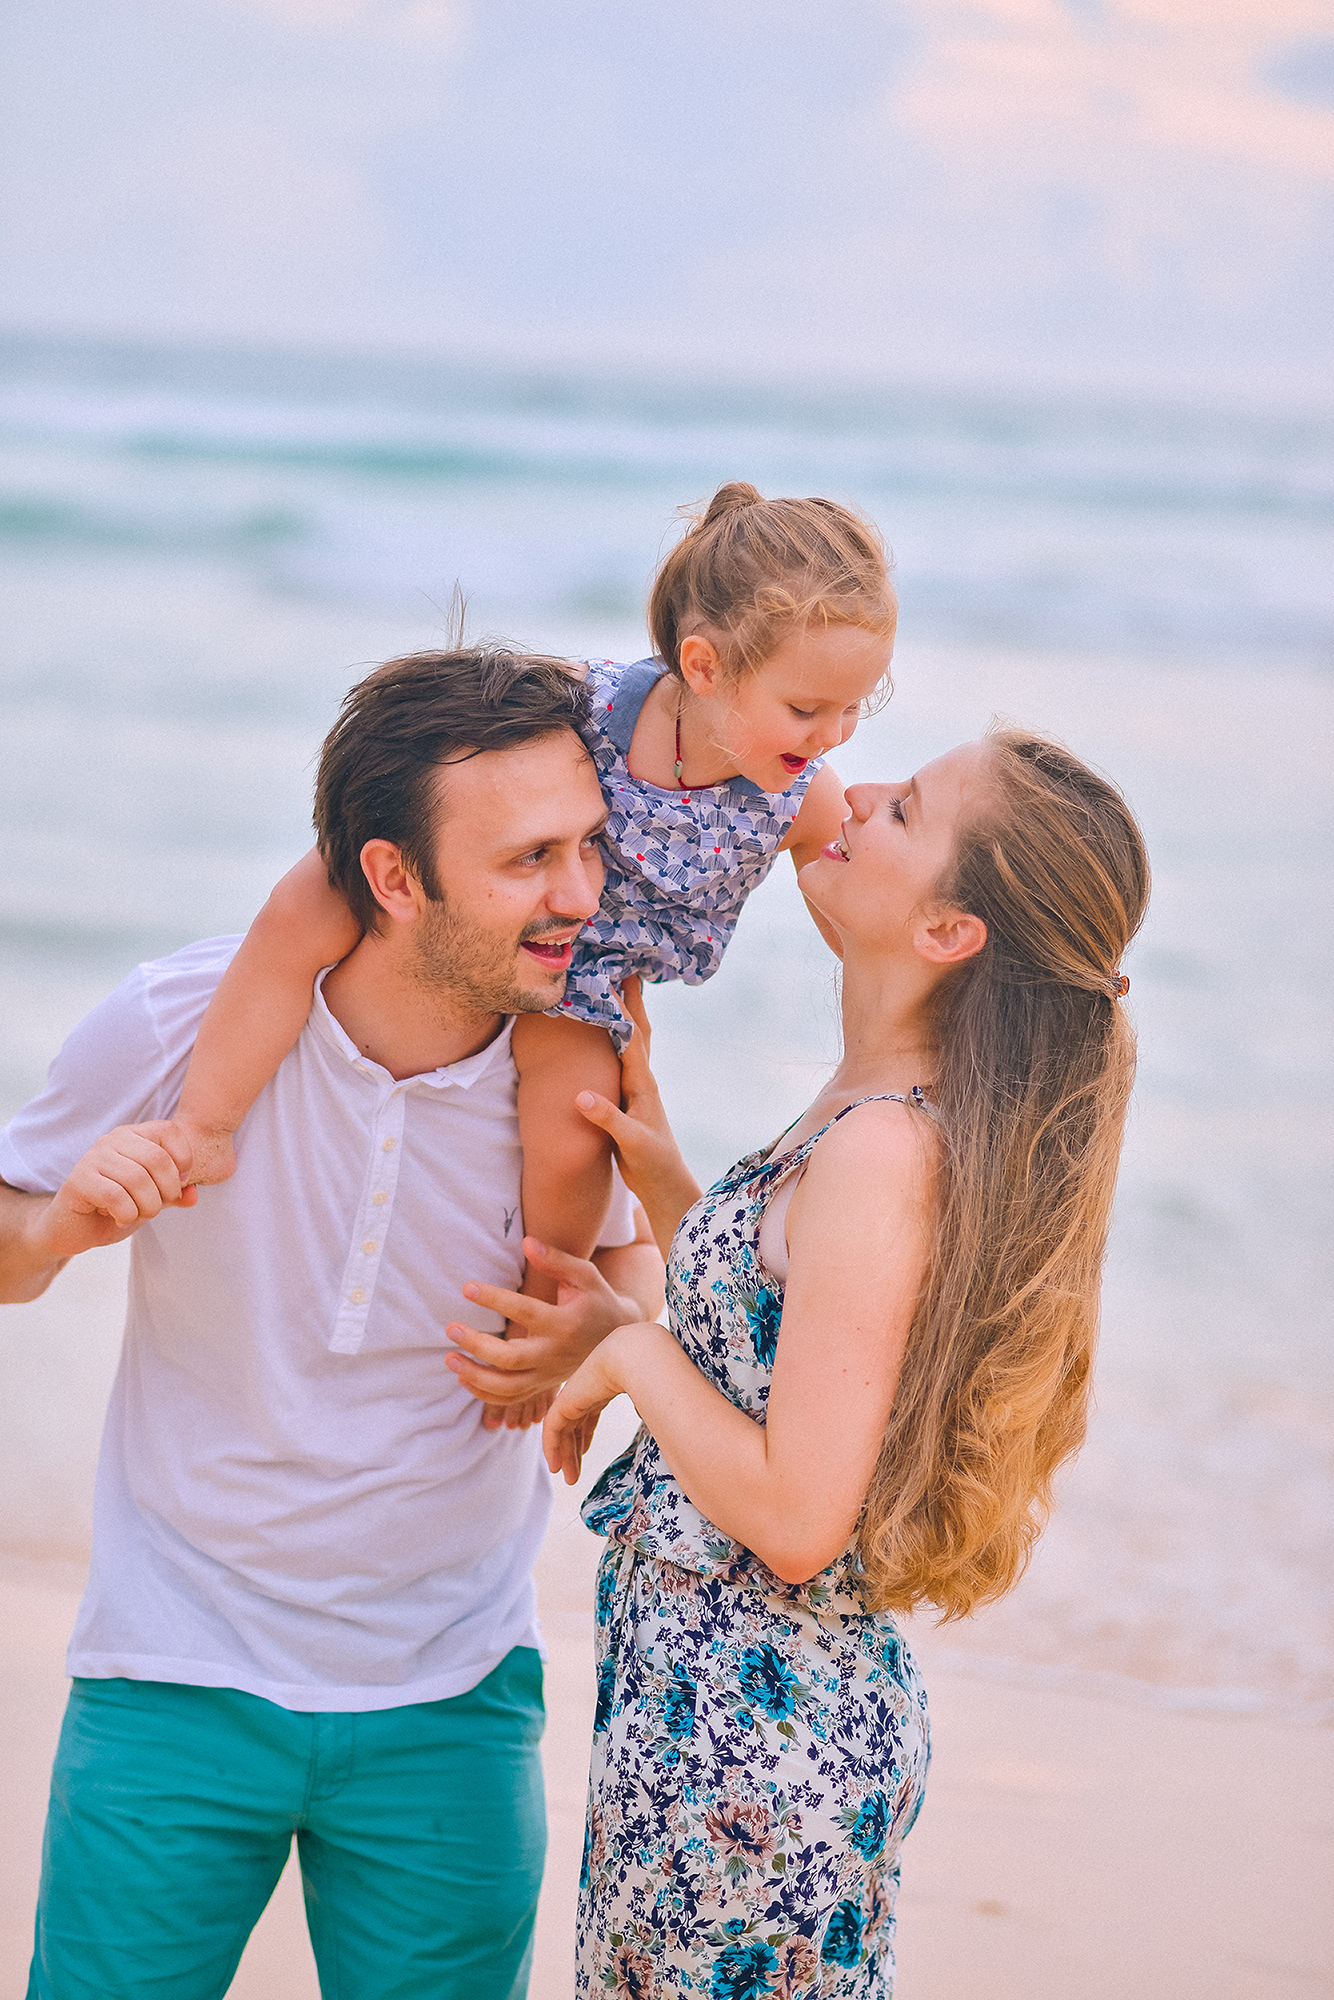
(796, 765)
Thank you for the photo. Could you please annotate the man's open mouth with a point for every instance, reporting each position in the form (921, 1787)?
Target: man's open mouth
(553, 953)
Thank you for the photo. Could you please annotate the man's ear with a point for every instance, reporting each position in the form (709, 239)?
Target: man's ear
(701, 668)
(948, 936)
(393, 884)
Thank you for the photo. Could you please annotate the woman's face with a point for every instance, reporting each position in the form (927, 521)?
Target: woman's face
(897, 844)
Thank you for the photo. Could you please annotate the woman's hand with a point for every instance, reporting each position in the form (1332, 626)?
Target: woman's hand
(547, 1343)
(646, 1150)
(573, 1416)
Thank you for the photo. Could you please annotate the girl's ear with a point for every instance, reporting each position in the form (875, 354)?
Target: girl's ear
(393, 884)
(701, 668)
(948, 936)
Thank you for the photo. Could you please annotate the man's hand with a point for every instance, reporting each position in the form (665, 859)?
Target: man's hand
(124, 1180)
(519, 1376)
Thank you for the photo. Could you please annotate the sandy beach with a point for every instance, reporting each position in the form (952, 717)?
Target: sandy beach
(1074, 1845)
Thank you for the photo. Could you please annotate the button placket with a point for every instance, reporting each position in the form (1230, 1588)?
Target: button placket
(366, 1253)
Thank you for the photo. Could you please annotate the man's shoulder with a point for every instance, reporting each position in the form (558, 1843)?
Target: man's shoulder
(121, 1064)
(184, 979)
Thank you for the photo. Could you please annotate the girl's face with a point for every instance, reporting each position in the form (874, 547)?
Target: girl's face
(803, 700)
(878, 880)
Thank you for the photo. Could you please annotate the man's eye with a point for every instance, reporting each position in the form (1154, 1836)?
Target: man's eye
(538, 855)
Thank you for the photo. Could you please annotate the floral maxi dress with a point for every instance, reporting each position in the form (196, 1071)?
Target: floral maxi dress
(759, 1748)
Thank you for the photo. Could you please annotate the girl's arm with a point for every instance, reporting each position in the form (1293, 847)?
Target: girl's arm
(820, 820)
(792, 1490)
(259, 1009)
(645, 1146)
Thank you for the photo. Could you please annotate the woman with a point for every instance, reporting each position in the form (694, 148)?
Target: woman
(881, 1337)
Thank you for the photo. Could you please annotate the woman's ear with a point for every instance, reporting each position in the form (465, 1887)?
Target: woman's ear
(393, 884)
(701, 668)
(948, 936)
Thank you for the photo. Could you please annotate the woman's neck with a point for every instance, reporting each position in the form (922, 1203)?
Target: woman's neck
(887, 1042)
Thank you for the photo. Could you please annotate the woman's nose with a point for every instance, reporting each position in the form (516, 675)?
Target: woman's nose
(863, 799)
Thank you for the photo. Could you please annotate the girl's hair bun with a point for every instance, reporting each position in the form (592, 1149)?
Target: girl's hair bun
(728, 498)
(747, 571)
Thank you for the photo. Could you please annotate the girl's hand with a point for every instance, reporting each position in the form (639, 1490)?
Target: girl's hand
(573, 1416)
(646, 1149)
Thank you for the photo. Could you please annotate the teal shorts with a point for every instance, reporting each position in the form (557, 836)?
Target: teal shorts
(421, 1833)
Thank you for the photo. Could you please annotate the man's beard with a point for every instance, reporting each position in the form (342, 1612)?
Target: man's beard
(475, 967)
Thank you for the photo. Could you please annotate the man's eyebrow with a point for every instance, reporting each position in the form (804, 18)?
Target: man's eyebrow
(539, 840)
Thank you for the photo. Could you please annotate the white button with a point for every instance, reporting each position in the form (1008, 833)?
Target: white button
(358, 1297)
(389, 1145)
(379, 1198)
(368, 1245)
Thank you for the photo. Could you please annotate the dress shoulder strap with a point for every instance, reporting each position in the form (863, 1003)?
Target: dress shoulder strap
(915, 1099)
(632, 690)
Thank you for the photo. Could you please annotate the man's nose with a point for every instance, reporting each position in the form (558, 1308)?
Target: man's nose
(577, 889)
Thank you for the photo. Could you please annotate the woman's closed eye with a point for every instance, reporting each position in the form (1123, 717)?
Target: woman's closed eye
(896, 808)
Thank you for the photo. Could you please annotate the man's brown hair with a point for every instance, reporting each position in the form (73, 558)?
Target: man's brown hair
(378, 769)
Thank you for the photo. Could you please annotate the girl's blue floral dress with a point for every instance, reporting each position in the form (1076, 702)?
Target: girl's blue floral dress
(679, 865)
(759, 1748)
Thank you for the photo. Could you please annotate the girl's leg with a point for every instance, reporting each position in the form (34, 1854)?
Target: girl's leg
(566, 1161)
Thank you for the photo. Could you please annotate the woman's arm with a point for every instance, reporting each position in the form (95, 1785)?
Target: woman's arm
(792, 1490)
(820, 820)
(259, 1009)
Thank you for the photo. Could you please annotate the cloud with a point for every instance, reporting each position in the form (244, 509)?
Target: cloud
(958, 185)
(434, 24)
(1303, 70)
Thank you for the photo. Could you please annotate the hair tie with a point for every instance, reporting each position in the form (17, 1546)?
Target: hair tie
(1118, 985)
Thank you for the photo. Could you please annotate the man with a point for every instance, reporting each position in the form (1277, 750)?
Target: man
(311, 1604)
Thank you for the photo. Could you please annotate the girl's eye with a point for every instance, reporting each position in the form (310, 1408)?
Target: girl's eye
(803, 714)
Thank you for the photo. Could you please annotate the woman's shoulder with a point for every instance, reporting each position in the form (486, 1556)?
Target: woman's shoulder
(888, 1134)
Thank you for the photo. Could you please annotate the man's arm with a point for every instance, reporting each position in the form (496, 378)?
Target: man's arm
(123, 1180)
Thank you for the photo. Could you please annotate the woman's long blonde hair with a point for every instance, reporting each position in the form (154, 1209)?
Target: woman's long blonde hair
(1034, 1063)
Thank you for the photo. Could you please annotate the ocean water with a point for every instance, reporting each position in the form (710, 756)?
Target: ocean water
(199, 553)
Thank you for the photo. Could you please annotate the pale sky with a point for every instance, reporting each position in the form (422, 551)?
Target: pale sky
(1064, 187)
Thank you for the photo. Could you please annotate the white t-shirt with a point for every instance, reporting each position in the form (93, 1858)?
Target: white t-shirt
(295, 1496)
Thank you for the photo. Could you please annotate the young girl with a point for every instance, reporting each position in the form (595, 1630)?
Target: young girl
(772, 623)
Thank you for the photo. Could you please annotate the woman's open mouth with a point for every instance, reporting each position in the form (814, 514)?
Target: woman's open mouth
(796, 765)
(835, 851)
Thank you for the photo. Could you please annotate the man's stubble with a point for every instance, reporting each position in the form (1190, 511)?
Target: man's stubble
(474, 967)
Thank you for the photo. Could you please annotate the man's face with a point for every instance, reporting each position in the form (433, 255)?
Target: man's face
(520, 872)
